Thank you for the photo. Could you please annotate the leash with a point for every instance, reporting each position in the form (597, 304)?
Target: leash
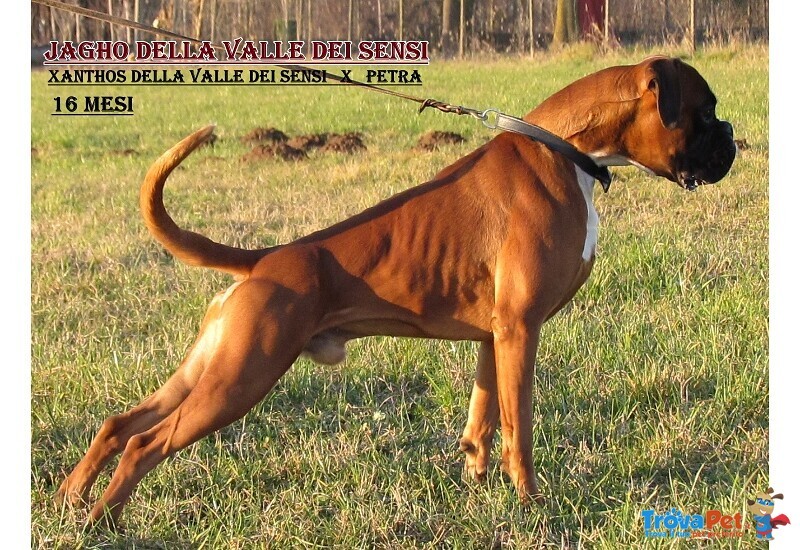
(491, 118)
(553, 142)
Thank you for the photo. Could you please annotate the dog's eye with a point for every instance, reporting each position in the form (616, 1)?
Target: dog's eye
(708, 115)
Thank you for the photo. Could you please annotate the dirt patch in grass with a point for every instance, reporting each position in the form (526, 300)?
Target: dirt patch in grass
(265, 134)
(308, 141)
(435, 139)
(296, 148)
(279, 150)
(344, 143)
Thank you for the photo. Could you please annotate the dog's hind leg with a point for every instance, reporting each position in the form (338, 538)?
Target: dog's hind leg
(114, 435)
(264, 327)
(484, 411)
(117, 430)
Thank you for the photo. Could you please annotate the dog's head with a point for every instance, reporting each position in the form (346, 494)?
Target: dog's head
(659, 115)
(764, 503)
(688, 144)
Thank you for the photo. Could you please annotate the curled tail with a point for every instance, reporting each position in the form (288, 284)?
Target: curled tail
(189, 247)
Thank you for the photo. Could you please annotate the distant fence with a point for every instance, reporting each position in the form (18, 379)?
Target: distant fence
(497, 25)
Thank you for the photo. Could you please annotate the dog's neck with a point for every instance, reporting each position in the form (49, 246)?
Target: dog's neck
(592, 123)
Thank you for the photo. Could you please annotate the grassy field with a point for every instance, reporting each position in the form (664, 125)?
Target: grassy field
(651, 388)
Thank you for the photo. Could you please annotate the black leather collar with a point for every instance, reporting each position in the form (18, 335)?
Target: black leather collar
(494, 119)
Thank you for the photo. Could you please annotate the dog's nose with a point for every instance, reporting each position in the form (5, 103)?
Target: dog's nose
(727, 127)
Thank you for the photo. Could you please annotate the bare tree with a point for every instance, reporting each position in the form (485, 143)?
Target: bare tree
(455, 15)
(503, 25)
(198, 23)
(531, 26)
(449, 20)
(401, 19)
(213, 34)
(565, 29)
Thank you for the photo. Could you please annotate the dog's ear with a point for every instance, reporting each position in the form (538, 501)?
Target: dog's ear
(750, 502)
(663, 80)
(779, 496)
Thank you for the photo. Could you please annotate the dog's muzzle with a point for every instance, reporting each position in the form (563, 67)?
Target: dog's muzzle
(709, 157)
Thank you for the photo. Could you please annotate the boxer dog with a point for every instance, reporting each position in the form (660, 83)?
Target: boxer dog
(488, 250)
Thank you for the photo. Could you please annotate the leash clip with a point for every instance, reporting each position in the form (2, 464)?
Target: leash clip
(490, 121)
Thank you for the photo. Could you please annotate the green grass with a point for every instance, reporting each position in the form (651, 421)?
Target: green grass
(651, 387)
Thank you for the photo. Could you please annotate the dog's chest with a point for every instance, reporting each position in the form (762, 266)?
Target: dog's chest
(586, 183)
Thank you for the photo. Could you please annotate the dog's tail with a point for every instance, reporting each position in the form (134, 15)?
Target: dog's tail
(189, 247)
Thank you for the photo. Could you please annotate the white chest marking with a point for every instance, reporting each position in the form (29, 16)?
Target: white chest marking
(586, 183)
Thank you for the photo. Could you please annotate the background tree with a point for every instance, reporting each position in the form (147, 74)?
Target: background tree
(565, 29)
(451, 11)
(490, 25)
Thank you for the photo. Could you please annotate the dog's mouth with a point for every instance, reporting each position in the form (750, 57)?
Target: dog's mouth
(709, 158)
(690, 182)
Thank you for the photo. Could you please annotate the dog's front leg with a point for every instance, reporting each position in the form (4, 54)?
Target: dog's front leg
(516, 338)
(484, 412)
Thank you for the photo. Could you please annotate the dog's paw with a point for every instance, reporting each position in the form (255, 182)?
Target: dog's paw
(475, 461)
(527, 489)
(529, 495)
(524, 480)
(473, 474)
(67, 495)
(102, 518)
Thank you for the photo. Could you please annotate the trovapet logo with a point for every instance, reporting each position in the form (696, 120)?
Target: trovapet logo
(676, 524)
(716, 524)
